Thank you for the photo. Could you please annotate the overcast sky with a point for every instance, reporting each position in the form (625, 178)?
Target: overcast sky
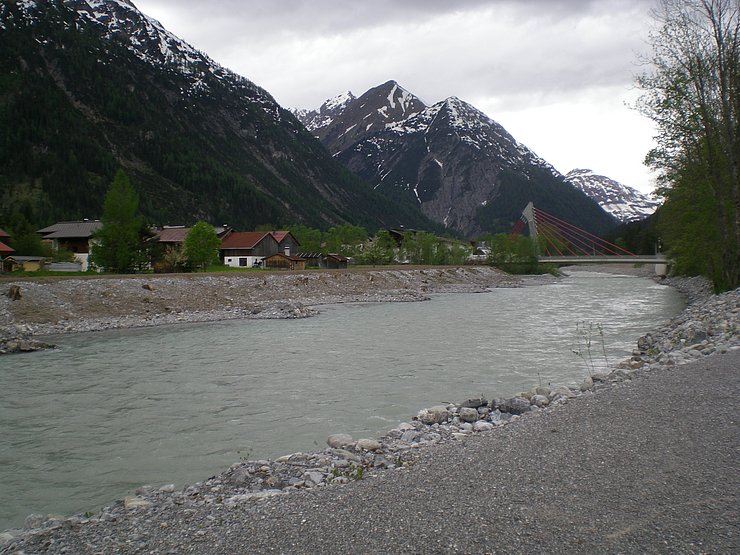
(557, 74)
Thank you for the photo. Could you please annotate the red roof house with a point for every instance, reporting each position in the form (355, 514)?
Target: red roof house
(247, 248)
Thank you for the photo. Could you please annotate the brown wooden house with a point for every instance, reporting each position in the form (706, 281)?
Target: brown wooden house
(5, 250)
(280, 261)
(335, 261)
(286, 242)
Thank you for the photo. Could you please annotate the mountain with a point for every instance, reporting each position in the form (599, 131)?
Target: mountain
(624, 203)
(462, 169)
(88, 86)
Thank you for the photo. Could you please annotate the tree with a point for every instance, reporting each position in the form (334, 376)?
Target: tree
(24, 237)
(118, 245)
(693, 96)
(201, 245)
(380, 250)
(308, 237)
(344, 239)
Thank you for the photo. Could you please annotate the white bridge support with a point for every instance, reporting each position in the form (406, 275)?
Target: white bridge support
(528, 214)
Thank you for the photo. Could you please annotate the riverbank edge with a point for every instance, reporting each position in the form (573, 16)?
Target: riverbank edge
(708, 325)
(32, 312)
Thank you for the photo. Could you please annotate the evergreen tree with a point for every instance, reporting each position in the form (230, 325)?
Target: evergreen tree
(117, 246)
(24, 237)
(201, 245)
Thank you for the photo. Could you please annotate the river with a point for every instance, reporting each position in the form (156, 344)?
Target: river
(85, 424)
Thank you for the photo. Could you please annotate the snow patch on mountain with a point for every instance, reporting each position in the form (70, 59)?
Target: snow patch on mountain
(149, 41)
(621, 201)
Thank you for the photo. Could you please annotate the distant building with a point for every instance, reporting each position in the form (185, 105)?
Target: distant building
(24, 263)
(5, 250)
(245, 249)
(280, 261)
(248, 249)
(75, 237)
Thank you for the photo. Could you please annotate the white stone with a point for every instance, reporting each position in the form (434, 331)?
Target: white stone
(338, 441)
(135, 502)
(433, 415)
(468, 415)
(314, 476)
(482, 426)
(368, 445)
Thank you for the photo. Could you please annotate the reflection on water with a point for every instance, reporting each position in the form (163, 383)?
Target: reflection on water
(85, 424)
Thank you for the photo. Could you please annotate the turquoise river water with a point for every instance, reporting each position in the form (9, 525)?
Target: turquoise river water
(85, 424)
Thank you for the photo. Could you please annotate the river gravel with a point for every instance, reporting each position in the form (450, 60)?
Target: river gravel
(643, 459)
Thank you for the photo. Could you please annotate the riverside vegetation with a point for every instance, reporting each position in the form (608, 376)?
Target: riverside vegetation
(710, 324)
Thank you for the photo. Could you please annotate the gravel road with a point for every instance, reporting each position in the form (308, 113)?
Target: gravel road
(645, 466)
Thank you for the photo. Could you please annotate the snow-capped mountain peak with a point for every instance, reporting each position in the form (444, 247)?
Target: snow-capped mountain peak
(621, 201)
(121, 22)
(462, 168)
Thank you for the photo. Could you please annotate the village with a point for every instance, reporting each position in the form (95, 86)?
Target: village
(238, 249)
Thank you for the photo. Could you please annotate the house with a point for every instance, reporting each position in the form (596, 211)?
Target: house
(335, 261)
(5, 250)
(174, 235)
(171, 236)
(23, 263)
(246, 249)
(281, 261)
(72, 236)
(286, 242)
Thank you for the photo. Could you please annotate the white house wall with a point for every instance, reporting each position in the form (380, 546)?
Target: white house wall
(234, 261)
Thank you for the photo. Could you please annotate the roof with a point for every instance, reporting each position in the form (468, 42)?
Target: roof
(5, 249)
(310, 254)
(18, 258)
(286, 256)
(338, 257)
(69, 230)
(3, 234)
(280, 235)
(243, 239)
(172, 234)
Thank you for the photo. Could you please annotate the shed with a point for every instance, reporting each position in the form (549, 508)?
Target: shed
(24, 263)
(313, 259)
(282, 261)
(335, 261)
(5, 250)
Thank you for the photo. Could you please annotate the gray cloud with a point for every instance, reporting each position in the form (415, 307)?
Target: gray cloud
(510, 56)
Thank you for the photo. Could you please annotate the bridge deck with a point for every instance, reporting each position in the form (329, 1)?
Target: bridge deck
(602, 259)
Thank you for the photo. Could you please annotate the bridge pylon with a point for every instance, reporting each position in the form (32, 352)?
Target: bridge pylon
(528, 214)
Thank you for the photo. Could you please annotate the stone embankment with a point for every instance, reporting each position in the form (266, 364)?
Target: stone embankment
(709, 325)
(32, 308)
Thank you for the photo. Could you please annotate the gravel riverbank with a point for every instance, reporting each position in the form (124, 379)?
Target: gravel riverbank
(642, 459)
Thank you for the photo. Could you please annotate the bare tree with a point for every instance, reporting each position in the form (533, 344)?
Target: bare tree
(693, 96)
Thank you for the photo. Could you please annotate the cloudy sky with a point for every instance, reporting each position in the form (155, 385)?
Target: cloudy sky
(557, 74)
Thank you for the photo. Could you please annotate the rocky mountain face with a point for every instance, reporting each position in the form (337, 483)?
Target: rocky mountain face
(624, 203)
(88, 86)
(462, 169)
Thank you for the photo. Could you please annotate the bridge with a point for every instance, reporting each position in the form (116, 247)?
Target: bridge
(561, 242)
